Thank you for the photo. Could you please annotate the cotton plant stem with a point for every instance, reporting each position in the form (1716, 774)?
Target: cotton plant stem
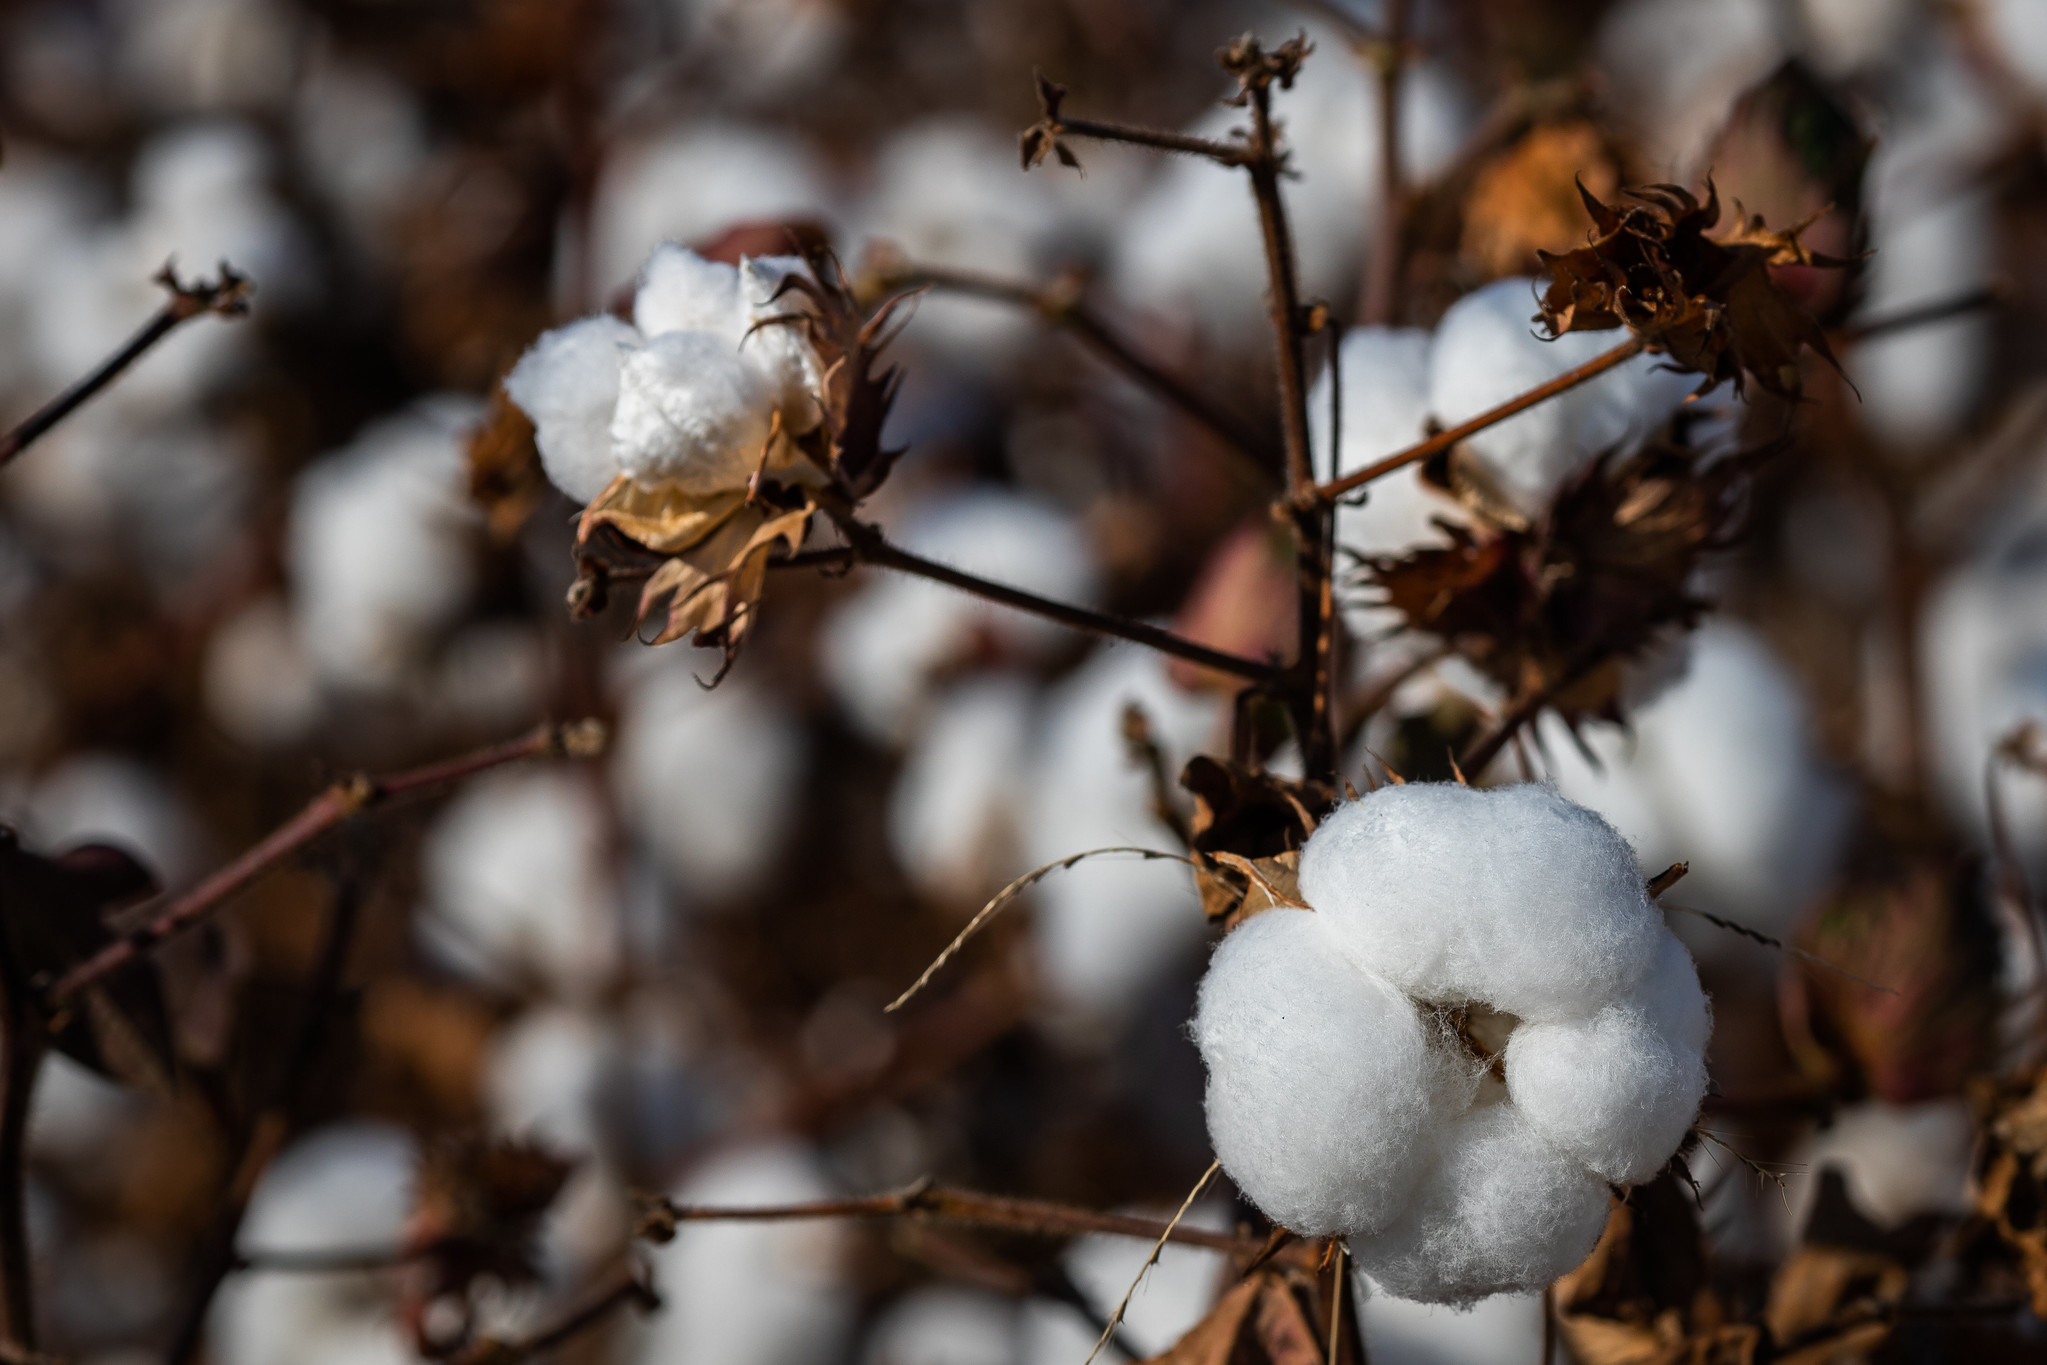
(629, 1288)
(227, 296)
(1926, 314)
(341, 802)
(1158, 139)
(1381, 302)
(21, 1056)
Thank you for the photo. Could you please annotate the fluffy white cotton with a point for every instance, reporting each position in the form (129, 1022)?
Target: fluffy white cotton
(1325, 1084)
(515, 877)
(1385, 408)
(362, 140)
(945, 1325)
(1501, 1210)
(1107, 926)
(751, 1293)
(378, 546)
(2018, 29)
(1176, 1292)
(567, 382)
(1503, 1330)
(1487, 350)
(884, 649)
(1510, 896)
(1618, 1090)
(952, 814)
(1721, 771)
(206, 54)
(1898, 1161)
(543, 1074)
(96, 798)
(706, 779)
(42, 203)
(691, 413)
(74, 1112)
(680, 291)
(1676, 67)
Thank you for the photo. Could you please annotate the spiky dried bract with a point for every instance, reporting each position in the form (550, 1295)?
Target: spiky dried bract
(1708, 303)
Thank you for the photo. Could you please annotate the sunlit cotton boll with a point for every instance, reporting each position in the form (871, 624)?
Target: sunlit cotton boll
(883, 650)
(952, 814)
(349, 1185)
(752, 1293)
(1176, 1292)
(379, 546)
(516, 883)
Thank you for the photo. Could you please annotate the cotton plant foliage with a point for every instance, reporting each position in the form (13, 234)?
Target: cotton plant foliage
(1480, 1025)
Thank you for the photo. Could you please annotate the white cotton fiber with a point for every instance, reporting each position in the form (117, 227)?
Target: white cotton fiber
(1325, 1084)
(543, 1074)
(1509, 896)
(1503, 1330)
(2018, 31)
(1618, 1090)
(952, 814)
(568, 384)
(1897, 1160)
(260, 686)
(691, 413)
(101, 798)
(1501, 1210)
(680, 291)
(1385, 409)
(1487, 350)
(1676, 67)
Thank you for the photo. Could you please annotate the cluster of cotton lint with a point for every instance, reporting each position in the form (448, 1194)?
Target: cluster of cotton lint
(1356, 1050)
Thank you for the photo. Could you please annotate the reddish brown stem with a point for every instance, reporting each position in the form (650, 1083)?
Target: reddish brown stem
(1381, 303)
(1159, 139)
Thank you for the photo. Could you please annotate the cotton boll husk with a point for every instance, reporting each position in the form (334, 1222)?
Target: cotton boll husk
(1503, 1330)
(883, 648)
(1676, 67)
(1618, 1090)
(706, 779)
(1898, 1161)
(1510, 896)
(945, 1325)
(567, 383)
(514, 872)
(1501, 1212)
(1486, 351)
(751, 1293)
(97, 798)
(378, 546)
(1108, 925)
(260, 686)
(1176, 1292)
(348, 1185)
(952, 814)
(1324, 1084)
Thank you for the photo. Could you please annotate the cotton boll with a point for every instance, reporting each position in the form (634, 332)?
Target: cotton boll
(94, 798)
(567, 383)
(1510, 896)
(1501, 1211)
(751, 1293)
(42, 203)
(2018, 32)
(1486, 351)
(680, 291)
(952, 814)
(1920, 384)
(1846, 36)
(692, 413)
(768, 46)
(1324, 1083)
(1676, 67)
(1176, 1292)
(1503, 1330)
(207, 54)
(515, 875)
(542, 1076)
(260, 687)
(361, 138)
(1898, 1161)
(1618, 1090)
(75, 1111)
(945, 1325)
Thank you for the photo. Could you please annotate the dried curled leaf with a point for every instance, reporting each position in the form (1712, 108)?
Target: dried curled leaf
(2012, 1179)
(1259, 1322)
(1710, 304)
(505, 475)
(1246, 834)
(1643, 1298)
(1527, 198)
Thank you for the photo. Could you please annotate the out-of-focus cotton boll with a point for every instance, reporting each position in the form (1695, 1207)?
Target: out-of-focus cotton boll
(543, 1075)
(1325, 1082)
(1898, 1161)
(1176, 1292)
(1385, 407)
(1676, 67)
(2018, 31)
(379, 546)
(260, 686)
(207, 54)
(515, 879)
(693, 183)
(1722, 772)
(706, 779)
(348, 1185)
(952, 815)
(74, 1110)
(567, 382)
(94, 798)
(1108, 925)
(1191, 245)
(42, 203)
(945, 1325)
(362, 139)
(767, 45)
(1846, 36)
(883, 649)
(1486, 350)
(1503, 1330)
(752, 1293)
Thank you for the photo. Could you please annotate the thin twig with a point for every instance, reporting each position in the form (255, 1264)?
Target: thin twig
(631, 1288)
(1925, 314)
(1758, 936)
(1159, 139)
(1381, 304)
(1116, 1318)
(342, 801)
(227, 296)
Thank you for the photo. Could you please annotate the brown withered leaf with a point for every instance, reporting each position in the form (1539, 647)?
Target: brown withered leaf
(1711, 305)
(2012, 1174)
(1526, 199)
(1832, 1304)
(1260, 821)
(1642, 1297)
(505, 475)
(1259, 1322)
(477, 1215)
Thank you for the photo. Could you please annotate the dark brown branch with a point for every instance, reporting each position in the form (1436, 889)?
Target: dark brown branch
(1159, 139)
(1381, 301)
(342, 801)
(21, 1056)
(227, 296)
(1926, 314)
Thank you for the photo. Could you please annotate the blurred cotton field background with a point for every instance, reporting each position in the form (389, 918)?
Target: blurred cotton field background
(277, 551)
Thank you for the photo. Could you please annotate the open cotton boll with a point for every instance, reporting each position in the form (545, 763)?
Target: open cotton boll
(952, 814)
(691, 413)
(751, 1293)
(515, 878)
(1617, 1091)
(680, 291)
(1501, 1210)
(1503, 1330)
(543, 1074)
(1897, 1161)
(1676, 67)
(1176, 1292)
(1486, 351)
(95, 798)
(1509, 896)
(945, 1325)
(1325, 1083)
(1107, 926)
(567, 383)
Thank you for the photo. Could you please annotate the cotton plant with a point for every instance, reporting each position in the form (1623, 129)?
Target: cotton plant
(1474, 1026)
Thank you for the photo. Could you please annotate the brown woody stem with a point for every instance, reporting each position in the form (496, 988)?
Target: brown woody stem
(1382, 271)
(1226, 153)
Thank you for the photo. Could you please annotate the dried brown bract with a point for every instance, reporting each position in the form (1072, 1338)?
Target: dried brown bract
(477, 1215)
(1708, 303)
(505, 475)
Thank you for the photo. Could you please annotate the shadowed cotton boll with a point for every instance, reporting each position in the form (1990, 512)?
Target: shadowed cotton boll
(94, 798)
(692, 183)
(1898, 1161)
(1486, 350)
(42, 202)
(1503, 1330)
(516, 883)
(945, 1325)
(260, 686)
(885, 647)
(1106, 926)
(1676, 67)
(349, 1185)
(378, 546)
(1722, 772)
(706, 779)
(952, 815)
(751, 1293)
(361, 137)
(1176, 1292)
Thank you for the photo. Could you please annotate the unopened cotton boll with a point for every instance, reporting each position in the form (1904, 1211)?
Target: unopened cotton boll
(567, 383)
(952, 814)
